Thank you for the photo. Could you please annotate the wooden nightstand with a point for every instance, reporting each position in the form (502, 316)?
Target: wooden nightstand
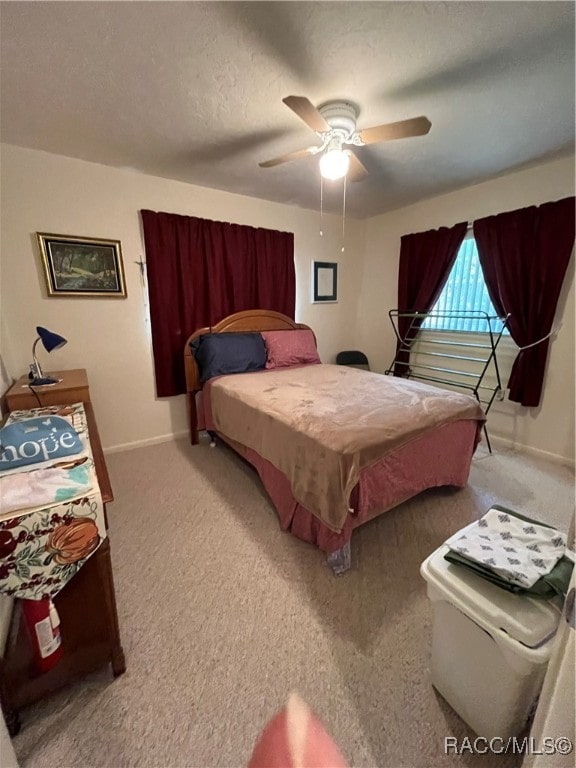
(72, 389)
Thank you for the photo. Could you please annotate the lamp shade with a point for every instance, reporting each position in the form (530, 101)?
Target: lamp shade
(334, 164)
(49, 339)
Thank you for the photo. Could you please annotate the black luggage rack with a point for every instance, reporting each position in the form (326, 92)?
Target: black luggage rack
(476, 353)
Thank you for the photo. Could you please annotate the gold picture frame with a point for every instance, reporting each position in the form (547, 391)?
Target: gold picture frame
(82, 266)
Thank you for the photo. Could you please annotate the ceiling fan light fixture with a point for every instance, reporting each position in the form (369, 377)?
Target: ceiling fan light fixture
(334, 164)
(334, 123)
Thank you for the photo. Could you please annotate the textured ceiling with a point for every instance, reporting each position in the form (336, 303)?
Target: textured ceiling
(193, 91)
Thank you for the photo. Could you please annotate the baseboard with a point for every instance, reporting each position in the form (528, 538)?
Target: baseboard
(497, 439)
(554, 458)
(145, 443)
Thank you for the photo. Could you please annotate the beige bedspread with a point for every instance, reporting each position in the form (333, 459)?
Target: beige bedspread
(321, 425)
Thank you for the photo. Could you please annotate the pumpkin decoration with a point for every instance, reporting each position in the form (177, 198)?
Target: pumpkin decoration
(73, 541)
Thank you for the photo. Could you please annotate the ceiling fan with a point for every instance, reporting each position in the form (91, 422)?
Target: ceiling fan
(335, 124)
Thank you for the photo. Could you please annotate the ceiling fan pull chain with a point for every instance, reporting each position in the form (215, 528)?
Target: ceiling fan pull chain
(343, 211)
(321, 202)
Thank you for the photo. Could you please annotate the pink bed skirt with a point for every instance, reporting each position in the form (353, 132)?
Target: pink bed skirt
(438, 458)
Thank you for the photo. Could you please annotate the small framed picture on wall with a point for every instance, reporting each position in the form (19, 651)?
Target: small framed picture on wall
(82, 266)
(324, 282)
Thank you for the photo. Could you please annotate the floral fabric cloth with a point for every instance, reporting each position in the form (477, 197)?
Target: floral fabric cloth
(43, 547)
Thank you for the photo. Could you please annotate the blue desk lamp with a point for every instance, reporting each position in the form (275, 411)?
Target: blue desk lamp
(50, 341)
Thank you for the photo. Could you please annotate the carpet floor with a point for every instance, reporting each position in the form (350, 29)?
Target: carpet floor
(222, 615)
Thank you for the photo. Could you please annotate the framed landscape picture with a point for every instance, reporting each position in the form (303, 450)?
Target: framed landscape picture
(325, 282)
(82, 266)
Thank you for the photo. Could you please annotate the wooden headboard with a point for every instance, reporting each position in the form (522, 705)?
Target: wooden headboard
(251, 320)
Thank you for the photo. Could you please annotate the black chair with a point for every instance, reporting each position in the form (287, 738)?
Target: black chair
(353, 358)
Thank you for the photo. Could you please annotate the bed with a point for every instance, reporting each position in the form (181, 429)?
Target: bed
(334, 446)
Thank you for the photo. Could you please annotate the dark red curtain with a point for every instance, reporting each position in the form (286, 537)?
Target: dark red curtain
(426, 259)
(199, 271)
(524, 256)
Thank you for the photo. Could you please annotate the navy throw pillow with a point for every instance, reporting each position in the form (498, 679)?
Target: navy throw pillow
(223, 353)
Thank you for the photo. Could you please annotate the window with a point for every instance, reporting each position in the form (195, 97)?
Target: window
(465, 291)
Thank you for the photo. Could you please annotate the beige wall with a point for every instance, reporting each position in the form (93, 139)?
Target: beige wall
(548, 428)
(110, 337)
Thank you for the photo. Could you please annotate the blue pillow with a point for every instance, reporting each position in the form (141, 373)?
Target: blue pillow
(222, 353)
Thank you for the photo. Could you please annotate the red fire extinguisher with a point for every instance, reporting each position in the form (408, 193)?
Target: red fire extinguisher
(43, 625)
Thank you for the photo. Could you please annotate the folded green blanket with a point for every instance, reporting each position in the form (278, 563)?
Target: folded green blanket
(554, 583)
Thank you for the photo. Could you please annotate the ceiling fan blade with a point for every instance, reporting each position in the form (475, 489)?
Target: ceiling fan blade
(290, 156)
(356, 170)
(307, 111)
(404, 129)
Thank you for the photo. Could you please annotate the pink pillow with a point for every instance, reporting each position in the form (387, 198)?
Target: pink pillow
(285, 348)
(295, 738)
